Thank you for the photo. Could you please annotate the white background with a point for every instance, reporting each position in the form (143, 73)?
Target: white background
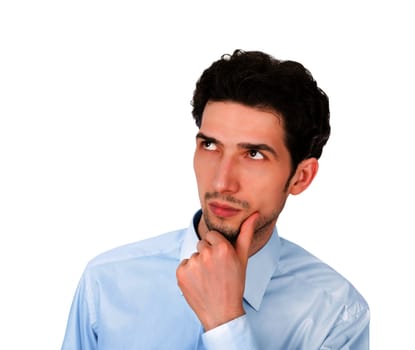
(96, 142)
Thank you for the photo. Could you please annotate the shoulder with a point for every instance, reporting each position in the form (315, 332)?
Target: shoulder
(313, 274)
(166, 245)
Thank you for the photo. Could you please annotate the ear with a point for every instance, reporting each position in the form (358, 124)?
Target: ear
(304, 175)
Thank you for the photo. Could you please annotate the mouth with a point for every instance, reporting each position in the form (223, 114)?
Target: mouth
(223, 210)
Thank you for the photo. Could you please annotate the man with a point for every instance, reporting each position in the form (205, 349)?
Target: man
(229, 281)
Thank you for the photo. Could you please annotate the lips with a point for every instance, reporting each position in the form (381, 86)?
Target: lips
(223, 210)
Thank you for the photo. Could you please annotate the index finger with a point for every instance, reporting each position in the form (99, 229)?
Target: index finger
(246, 234)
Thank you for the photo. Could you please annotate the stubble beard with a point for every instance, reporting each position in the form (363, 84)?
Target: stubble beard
(262, 226)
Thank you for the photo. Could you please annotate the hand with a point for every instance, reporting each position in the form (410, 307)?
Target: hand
(213, 279)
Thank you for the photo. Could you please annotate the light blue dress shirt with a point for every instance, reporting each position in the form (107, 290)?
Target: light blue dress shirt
(128, 298)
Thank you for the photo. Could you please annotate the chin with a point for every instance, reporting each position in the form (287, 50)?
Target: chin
(221, 225)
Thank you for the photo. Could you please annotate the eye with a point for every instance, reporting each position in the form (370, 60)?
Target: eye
(209, 145)
(254, 154)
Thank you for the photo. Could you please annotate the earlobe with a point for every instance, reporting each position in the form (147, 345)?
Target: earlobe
(304, 175)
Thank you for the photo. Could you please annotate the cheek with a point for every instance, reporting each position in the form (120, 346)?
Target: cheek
(196, 164)
(263, 191)
(202, 171)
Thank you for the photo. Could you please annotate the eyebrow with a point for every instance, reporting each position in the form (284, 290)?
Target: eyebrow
(258, 147)
(243, 145)
(204, 137)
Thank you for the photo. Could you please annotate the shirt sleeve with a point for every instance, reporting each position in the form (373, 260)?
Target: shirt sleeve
(233, 335)
(80, 334)
(351, 332)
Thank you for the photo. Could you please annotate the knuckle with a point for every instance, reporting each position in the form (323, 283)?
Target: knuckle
(179, 275)
(223, 249)
(181, 269)
(201, 245)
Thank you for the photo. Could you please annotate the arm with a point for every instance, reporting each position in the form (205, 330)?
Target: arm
(213, 282)
(233, 335)
(351, 331)
(80, 334)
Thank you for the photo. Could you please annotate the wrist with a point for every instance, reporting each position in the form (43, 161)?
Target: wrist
(214, 322)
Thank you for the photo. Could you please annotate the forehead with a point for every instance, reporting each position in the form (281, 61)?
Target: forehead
(234, 121)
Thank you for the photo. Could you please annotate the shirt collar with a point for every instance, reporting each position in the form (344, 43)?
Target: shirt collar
(261, 265)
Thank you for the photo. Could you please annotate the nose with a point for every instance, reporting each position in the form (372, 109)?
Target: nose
(226, 176)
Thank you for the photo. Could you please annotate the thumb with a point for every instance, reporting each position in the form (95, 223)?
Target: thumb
(243, 243)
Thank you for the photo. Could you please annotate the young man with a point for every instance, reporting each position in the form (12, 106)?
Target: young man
(229, 281)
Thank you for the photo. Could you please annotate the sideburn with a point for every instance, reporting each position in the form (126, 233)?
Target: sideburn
(287, 184)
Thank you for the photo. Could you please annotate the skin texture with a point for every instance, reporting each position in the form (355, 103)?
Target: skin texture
(243, 170)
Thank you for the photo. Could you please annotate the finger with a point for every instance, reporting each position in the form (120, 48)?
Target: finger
(187, 260)
(202, 245)
(214, 238)
(243, 243)
(194, 255)
(181, 272)
(183, 262)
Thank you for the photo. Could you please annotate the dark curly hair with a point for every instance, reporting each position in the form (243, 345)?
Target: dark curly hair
(258, 80)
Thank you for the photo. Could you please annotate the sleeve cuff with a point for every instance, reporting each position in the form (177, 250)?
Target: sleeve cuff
(233, 335)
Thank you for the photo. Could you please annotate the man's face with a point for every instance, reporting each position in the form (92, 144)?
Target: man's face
(242, 166)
